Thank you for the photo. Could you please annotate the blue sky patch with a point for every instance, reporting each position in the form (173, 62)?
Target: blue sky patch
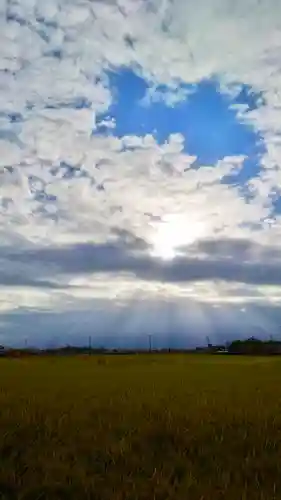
(205, 118)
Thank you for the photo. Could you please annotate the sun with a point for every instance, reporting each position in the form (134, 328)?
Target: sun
(174, 232)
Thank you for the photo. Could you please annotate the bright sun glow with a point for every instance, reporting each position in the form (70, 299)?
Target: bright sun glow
(173, 232)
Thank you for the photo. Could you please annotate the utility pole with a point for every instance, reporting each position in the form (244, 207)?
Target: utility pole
(208, 341)
(150, 338)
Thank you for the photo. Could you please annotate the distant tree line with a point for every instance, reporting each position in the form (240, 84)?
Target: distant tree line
(255, 346)
(249, 346)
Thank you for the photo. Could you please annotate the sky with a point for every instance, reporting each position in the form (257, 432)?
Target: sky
(140, 149)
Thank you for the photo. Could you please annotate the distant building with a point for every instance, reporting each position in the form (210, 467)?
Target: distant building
(223, 350)
(213, 349)
(219, 348)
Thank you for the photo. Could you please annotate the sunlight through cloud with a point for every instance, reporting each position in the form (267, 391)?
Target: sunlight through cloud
(174, 232)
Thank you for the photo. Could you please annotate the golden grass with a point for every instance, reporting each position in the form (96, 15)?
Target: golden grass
(140, 427)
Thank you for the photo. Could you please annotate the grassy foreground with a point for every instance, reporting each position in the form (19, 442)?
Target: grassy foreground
(143, 427)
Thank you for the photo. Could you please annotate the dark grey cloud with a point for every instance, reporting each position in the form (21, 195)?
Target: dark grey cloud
(227, 260)
(238, 249)
(22, 279)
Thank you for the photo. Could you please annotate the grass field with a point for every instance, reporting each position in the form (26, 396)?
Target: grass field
(140, 427)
